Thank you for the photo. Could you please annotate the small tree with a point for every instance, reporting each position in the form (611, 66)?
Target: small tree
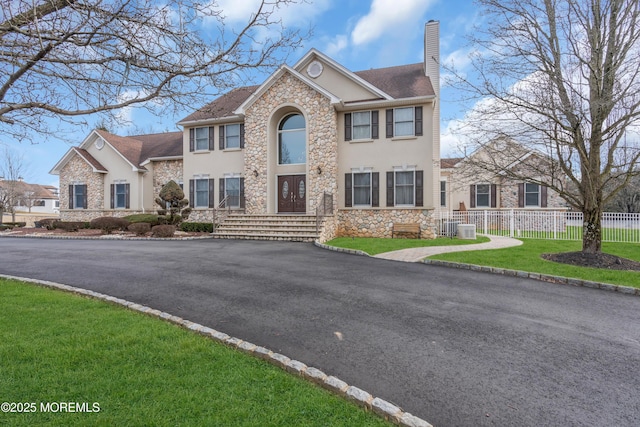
(171, 199)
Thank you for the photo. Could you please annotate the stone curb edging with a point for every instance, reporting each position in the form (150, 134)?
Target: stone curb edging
(103, 237)
(380, 407)
(627, 290)
(342, 250)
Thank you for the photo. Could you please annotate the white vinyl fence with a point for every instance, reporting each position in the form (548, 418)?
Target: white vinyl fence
(557, 225)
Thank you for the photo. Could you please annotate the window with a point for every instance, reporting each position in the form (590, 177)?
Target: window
(202, 193)
(57, 204)
(404, 188)
(443, 193)
(231, 136)
(362, 189)
(403, 122)
(483, 195)
(121, 196)
(531, 194)
(77, 196)
(39, 203)
(232, 192)
(202, 139)
(362, 125)
(292, 144)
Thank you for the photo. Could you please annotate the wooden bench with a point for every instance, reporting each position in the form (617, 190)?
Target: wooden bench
(404, 229)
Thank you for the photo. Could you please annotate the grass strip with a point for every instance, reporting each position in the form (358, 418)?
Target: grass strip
(374, 246)
(56, 347)
(527, 258)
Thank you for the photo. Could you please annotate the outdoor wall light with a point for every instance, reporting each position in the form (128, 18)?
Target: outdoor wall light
(255, 173)
(319, 170)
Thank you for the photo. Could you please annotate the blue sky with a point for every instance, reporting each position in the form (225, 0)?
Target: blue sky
(359, 34)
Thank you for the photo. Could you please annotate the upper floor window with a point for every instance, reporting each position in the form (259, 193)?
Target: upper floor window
(292, 140)
(405, 121)
(232, 136)
(362, 125)
(201, 139)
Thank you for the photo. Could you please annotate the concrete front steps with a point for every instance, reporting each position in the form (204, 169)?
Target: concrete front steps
(294, 228)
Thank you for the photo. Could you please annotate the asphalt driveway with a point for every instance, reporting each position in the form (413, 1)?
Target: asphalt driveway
(454, 347)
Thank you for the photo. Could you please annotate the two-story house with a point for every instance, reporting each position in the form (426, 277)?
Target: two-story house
(368, 141)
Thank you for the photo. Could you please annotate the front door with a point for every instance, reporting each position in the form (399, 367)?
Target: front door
(292, 194)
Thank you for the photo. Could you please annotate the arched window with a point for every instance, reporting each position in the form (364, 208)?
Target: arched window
(292, 144)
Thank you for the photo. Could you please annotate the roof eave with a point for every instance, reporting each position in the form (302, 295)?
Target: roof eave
(212, 121)
(160, 159)
(358, 105)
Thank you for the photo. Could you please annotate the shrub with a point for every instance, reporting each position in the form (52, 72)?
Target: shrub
(108, 224)
(163, 231)
(140, 228)
(150, 219)
(198, 227)
(68, 225)
(15, 224)
(48, 223)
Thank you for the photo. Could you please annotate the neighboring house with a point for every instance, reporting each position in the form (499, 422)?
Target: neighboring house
(486, 180)
(110, 175)
(369, 141)
(34, 198)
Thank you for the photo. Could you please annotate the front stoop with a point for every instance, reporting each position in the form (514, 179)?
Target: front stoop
(294, 228)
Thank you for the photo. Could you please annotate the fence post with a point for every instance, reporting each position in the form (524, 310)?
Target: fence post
(485, 227)
(511, 223)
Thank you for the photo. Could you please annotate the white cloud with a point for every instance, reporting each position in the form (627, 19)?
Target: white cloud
(336, 45)
(389, 16)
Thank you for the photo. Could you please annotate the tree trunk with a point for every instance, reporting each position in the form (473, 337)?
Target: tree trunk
(592, 230)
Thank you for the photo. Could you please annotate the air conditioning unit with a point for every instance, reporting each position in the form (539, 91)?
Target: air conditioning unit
(467, 231)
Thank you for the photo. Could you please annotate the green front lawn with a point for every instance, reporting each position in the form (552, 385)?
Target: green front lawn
(138, 370)
(527, 258)
(374, 246)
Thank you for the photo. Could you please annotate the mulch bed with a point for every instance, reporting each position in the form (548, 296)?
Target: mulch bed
(599, 260)
(87, 233)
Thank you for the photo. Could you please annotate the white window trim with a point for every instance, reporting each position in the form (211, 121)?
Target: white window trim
(75, 184)
(404, 168)
(232, 176)
(115, 193)
(443, 205)
(354, 171)
(195, 140)
(413, 123)
(488, 206)
(226, 137)
(195, 191)
(353, 126)
(306, 141)
(539, 193)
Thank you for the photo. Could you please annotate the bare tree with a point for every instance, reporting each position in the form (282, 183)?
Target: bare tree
(563, 78)
(627, 200)
(11, 174)
(64, 59)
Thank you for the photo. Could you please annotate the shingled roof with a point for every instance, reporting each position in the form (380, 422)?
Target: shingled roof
(404, 81)
(139, 148)
(21, 187)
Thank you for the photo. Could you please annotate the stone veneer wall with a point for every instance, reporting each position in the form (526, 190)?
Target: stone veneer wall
(322, 147)
(509, 197)
(328, 229)
(379, 222)
(163, 172)
(78, 171)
